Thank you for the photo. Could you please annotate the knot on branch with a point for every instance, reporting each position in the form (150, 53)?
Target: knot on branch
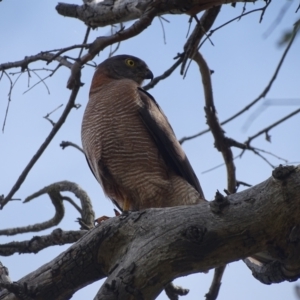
(283, 172)
(219, 203)
(121, 286)
(195, 234)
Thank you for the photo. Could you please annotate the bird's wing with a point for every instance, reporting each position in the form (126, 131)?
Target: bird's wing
(161, 131)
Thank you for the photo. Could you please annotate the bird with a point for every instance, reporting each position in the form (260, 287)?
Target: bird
(129, 144)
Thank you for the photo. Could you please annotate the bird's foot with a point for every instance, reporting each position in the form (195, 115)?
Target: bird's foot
(104, 218)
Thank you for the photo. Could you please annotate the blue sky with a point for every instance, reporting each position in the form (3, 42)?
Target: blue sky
(243, 60)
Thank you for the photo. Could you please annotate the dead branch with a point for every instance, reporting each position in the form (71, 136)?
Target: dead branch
(56, 200)
(102, 42)
(262, 95)
(165, 75)
(51, 112)
(65, 144)
(55, 129)
(267, 129)
(41, 79)
(38, 243)
(44, 56)
(86, 211)
(213, 123)
(188, 239)
(111, 12)
(222, 146)
(211, 32)
(202, 26)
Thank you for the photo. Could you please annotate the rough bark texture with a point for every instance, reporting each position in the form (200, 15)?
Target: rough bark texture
(140, 252)
(110, 12)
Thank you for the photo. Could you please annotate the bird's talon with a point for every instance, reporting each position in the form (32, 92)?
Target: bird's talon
(101, 219)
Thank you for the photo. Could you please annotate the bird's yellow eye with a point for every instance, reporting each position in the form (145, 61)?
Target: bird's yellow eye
(129, 62)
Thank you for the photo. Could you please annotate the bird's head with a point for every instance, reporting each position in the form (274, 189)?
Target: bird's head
(125, 66)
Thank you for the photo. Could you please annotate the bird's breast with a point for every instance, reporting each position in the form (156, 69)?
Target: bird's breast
(113, 133)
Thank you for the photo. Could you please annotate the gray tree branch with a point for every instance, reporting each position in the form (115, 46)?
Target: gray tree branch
(141, 252)
(110, 12)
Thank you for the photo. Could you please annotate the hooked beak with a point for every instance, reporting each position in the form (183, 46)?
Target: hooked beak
(149, 75)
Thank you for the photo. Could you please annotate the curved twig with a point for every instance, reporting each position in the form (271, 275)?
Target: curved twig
(59, 214)
(53, 190)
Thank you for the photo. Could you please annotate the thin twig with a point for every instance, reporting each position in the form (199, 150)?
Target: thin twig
(218, 166)
(267, 103)
(271, 154)
(216, 284)
(12, 84)
(65, 144)
(112, 52)
(88, 30)
(269, 85)
(262, 95)
(63, 50)
(42, 79)
(200, 30)
(102, 42)
(267, 129)
(72, 202)
(9, 99)
(211, 32)
(48, 114)
(264, 158)
(268, 2)
(163, 30)
(48, 57)
(166, 74)
(42, 148)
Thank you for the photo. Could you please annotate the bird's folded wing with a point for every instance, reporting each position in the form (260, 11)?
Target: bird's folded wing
(161, 131)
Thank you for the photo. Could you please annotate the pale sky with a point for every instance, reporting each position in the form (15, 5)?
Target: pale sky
(243, 60)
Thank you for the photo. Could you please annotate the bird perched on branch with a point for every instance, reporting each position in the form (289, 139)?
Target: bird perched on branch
(129, 144)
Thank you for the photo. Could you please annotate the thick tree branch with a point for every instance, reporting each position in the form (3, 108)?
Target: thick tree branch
(109, 12)
(141, 252)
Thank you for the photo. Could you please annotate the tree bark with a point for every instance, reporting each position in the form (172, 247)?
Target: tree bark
(110, 12)
(140, 252)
